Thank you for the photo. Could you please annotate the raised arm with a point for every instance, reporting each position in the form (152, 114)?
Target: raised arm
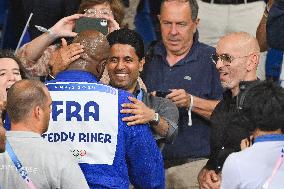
(204, 107)
(261, 29)
(63, 28)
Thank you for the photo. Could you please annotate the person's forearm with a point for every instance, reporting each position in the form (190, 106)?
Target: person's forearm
(36, 47)
(261, 34)
(204, 107)
(261, 29)
(162, 128)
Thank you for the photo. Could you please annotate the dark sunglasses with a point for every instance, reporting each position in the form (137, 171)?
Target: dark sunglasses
(225, 58)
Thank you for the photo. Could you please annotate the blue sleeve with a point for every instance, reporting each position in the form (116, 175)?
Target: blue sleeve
(144, 159)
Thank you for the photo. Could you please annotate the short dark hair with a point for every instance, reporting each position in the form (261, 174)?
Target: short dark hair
(22, 97)
(8, 53)
(264, 106)
(193, 6)
(128, 37)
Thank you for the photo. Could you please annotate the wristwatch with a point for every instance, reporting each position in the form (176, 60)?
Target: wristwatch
(156, 119)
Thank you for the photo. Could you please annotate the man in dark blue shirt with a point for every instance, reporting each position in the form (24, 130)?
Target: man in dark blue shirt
(85, 116)
(183, 66)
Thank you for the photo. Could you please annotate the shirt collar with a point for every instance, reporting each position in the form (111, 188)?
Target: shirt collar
(137, 90)
(243, 85)
(270, 137)
(76, 75)
(192, 55)
(22, 134)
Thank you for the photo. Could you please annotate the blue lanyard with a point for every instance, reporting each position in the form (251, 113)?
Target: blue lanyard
(271, 137)
(21, 170)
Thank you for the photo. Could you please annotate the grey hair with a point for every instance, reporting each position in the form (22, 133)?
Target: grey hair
(193, 5)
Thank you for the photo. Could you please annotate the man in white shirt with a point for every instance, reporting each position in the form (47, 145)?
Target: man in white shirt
(259, 166)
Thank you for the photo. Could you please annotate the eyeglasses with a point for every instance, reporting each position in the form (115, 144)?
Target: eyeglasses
(226, 58)
(97, 12)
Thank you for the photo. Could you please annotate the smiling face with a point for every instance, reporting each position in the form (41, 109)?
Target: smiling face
(244, 52)
(123, 67)
(9, 72)
(177, 27)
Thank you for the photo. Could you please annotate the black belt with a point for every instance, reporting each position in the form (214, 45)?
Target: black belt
(229, 2)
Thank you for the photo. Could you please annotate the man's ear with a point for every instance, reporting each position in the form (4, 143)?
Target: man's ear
(253, 62)
(100, 68)
(196, 22)
(141, 64)
(159, 17)
(37, 112)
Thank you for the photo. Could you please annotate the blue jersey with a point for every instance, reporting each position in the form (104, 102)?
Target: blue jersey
(85, 117)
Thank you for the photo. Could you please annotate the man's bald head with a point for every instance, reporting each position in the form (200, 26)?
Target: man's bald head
(96, 51)
(238, 58)
(243, 42)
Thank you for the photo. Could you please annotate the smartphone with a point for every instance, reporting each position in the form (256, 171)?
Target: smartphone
(86, 23)
(162, 93)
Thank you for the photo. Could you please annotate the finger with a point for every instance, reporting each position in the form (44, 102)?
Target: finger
(72, 59)
(76, 52)
(153, 93)
(76, 46)
(130, 118)
(178, 98)
(73, 17)
(173, 93)
(114, 24)
(214, 177)
(132, 99)
(180, 103)
(63, 42)
(135, 122)
(73, 34)
(130, 111)
(128, 105)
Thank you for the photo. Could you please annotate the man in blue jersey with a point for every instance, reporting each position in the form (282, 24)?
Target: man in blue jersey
(85, 117)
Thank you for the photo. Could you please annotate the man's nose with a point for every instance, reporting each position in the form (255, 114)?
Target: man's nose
(219, 64)
(120, 65)
(11, 77)
(173, 30)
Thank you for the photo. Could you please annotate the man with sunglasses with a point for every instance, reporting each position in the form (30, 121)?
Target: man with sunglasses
(236, 58)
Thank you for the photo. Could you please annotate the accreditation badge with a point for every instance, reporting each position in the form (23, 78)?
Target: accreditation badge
(85, 118)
